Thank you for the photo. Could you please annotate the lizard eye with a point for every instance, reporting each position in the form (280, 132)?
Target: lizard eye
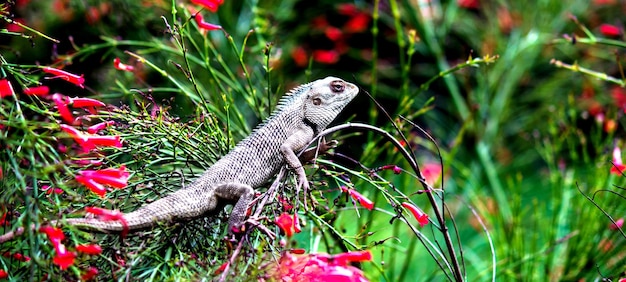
(337, 86)
(317, 101)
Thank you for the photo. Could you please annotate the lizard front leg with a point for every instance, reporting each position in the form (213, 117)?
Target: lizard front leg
(241, 193)
(293, 144)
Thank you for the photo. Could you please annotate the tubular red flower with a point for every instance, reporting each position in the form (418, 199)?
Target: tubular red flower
(5, 88)
(211, 5)
(37, 91)
(61, 103)
(78, 80)
(204, 25)
(363, 201)
(94, 186)
(3, 274)
(117, 178)
(117, 63)
(91, 249)
(109, 215)
(91, 272)
(421, 217)
(89, 142)
(85, 102)
(286, 223)
(64, 260)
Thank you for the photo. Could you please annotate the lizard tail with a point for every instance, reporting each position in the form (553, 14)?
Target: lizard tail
(183, 204)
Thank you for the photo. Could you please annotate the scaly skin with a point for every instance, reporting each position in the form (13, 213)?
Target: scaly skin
(298, 118)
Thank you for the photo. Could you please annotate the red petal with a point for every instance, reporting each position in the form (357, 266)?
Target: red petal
(5, 88)
(37, 90)
(91, 249)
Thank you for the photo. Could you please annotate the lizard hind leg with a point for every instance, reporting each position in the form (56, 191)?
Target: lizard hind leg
(242, 194)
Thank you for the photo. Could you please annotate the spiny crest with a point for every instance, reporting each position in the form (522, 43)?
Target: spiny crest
(290, 96)
(284, 103)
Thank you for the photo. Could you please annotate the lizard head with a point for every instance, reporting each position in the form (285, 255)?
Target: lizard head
(325, 99)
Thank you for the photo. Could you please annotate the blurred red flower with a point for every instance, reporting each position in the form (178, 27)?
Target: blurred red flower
(37, 91)
(326, 56)
(610, 30)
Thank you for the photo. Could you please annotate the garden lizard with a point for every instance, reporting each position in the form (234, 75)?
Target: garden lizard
(298, 118)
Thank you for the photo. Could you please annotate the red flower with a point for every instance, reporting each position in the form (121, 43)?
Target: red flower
(326, 56)
(617, 225)
(610, 30)
(97, 127)
(469, 4)
(422, 218)
(286, 222)
(345, 258)
(619, 97)
(85, 102)
(363, 201)
(89, 142)
(3, 274)
(221, 268)
(358, 23)
(395, 168)
(5, 88)
(617, 167)
(96, 179)
(333, 33)
(91, 272)
(316, 267)
(63, 258)
(300, 56)
(49, 190)
(61, 103)
(109, 215)
(16, 256)
(3, 219)
(91, 249)
(204, 25)
(69, 77)
(37, 90)
(211, 5)
(120, 66)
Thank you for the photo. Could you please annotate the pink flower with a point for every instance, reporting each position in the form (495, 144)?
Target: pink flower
(69, 77)
(610, 30)
(123, 67)
(37, 90)
(211, 5)
(204, 25)
(617, 167)
(420, 216)
(5, 88)
(363, 201)
(617, 225)
(91, 249)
